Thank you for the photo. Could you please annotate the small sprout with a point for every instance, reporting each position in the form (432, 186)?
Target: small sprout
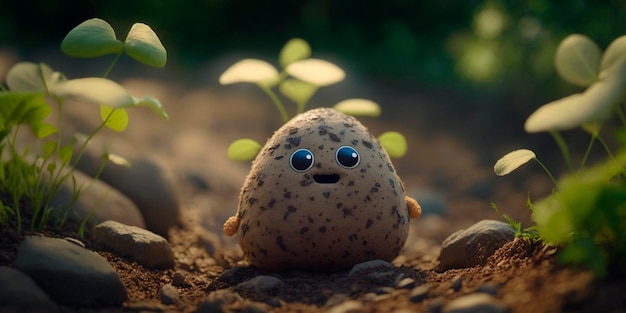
(316, 71)
(143, 45)
(358, 107)
(294, 50)
(94, 89)
(243, 150)
(114, 118)
(512, 161)
(394, 143)
(91, 38)
(577, 60)
(250, 71)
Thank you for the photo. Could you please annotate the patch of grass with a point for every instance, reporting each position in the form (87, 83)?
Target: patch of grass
(31, 175)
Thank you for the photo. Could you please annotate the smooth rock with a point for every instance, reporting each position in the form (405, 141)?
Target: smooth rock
(69, 274)
(97, 201)
(474, 245)
(168, 294)
(146, 183)
(419, 293)
(179, 280)
(367, 265)
(19, 293)
(476, 302)
(406, 283)
(456, 283)
(348, 306)
(260, 284)
(141, 245)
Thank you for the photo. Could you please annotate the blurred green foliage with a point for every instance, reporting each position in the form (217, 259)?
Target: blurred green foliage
(495, 43)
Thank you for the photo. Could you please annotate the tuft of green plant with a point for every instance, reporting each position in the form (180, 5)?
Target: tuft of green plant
(31, 177)
(586, 212)
(300, 77)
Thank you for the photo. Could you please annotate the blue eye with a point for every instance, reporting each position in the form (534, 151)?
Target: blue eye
(348, 157)
(301, 160)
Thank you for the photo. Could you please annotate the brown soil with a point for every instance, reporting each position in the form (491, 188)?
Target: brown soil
(524, 276)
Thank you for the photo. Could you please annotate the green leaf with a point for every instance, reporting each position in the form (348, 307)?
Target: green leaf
(65, 154)
(48, 148)
(153, 104)
(358, 107)
(96, 90)
(143, 45)
(297, 90)
(294, 50)
(577, 60)
(243, 150)
(43, 130)
(91, 38)
(18, 108)
(512, 160)
(250, 71)
(117, 159)
(394, 143)
(31, 77)
(114, 118)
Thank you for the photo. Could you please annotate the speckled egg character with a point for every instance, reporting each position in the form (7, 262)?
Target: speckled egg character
(321, 195)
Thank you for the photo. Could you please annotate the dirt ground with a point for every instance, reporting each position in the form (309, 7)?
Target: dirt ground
(449, 155)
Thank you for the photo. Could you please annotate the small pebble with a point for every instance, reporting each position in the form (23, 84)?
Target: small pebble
(383, 290)
(436, 305)
(254, 307)
(345, 307)
(179, 280)
(456, 283)
(369, 265)
(274, 302)
(336, 299)
(260, 284)
(406, 283)
(419, 293)
(488, 288)
(476, 302)
(168, 294)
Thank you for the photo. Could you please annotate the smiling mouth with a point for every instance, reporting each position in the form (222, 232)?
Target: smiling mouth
(326, 179)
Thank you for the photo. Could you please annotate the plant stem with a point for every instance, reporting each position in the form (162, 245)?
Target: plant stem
(549, 173)
(117, 57)
(606, 147)
(563, 147)
(277, 102)
(593, 138)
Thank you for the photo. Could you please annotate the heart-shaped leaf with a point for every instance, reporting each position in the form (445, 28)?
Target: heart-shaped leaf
(577, 60)
(91, 38)
(512, 161)
(95, 90)
(394, 143)
(114, 118)
(316, 71)
(294, 50)
(358, 107)
(243, 150)
(297, 90)
(31, 77)
(143, 45)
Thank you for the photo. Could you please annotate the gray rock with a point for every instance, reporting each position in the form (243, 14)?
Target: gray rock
(488, 288)
(146, 183)
(97, 201)
(19, 293)
(179, 280)
(168, 294)
(367, 265)
(456, 283)
(260, 284)
(476, 302)
(69, 274)
(141, 245)
(474, 245)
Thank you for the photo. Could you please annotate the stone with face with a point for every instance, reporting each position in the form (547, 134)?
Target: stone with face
(322, 195)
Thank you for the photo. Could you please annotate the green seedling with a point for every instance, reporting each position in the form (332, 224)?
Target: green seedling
(33, 176)
(586, 213)
(300, 77)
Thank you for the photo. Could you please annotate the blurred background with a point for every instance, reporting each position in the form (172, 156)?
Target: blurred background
(467, 70)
